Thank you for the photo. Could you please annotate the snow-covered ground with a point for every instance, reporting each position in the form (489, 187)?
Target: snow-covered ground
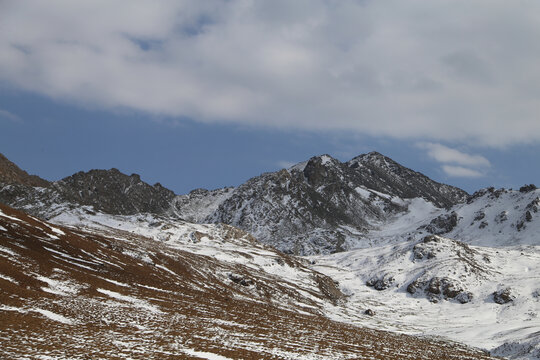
(480, 322)
(397, 255)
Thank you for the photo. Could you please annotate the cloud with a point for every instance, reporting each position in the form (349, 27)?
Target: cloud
(395, 68)
(445, 154)
(9, 116)
(460, 171)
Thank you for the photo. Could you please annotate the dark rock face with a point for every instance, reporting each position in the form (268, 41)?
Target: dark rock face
(311, 208)
(503, 296)
(437, 289)
(369, 312)
(527, 188)
(115, 193)
(442, 224)
(330, 288)
(109, 191)
(240, 280)
(382, 283)
(380, 173)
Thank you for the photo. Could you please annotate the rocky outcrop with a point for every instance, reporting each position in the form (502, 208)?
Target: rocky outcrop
(442, 224)
(437, 289)
(503, 296)
(113, 192)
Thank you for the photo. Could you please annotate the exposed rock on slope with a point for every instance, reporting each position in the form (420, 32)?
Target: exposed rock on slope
(493, 217)
(380, 173)
(105, 190)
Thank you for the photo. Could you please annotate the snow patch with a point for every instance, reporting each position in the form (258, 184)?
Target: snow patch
(53, 316)
(132, 300)
(205, 355)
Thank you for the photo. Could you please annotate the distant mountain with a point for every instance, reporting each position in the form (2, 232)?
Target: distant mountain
(113, 192)
(321, 205)
(378, 172)
(426, 258)
(109, 191)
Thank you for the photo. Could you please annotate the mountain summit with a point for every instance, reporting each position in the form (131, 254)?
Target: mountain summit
(321, 205)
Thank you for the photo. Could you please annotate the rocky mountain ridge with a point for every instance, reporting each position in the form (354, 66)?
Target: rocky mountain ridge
(319, 206)
(324, 205)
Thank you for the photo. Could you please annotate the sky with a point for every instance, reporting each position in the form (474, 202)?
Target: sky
(211, 93)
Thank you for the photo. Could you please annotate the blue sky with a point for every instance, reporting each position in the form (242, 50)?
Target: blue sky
(208, 94)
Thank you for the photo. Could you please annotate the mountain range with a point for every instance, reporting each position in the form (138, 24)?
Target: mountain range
(367, 243)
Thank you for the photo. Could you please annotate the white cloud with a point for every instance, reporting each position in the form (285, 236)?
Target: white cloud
(445, 154)
(460, 171)
(387, 68)
(9, 116)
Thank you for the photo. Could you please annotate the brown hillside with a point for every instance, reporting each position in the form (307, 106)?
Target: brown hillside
(12, 174)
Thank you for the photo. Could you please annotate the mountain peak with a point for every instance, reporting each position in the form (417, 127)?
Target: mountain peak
(12, 174)
(378, 172)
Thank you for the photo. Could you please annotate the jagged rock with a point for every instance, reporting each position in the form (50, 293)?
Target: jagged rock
(502, 217)
(534, 205)
(241, 280)
(330, 288)
(440, 288)
(442, 224)
(112, 192)
(479, 215)
(423, 251)
(382, 283)
(12, 174)
(503, 296)
(369, 312)
(311, 208)
(527, 188)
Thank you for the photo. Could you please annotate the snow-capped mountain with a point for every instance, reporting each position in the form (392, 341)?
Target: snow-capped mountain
(408, 254)
(321, 205)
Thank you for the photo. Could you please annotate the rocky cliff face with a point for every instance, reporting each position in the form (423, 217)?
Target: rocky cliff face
(112, 192)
